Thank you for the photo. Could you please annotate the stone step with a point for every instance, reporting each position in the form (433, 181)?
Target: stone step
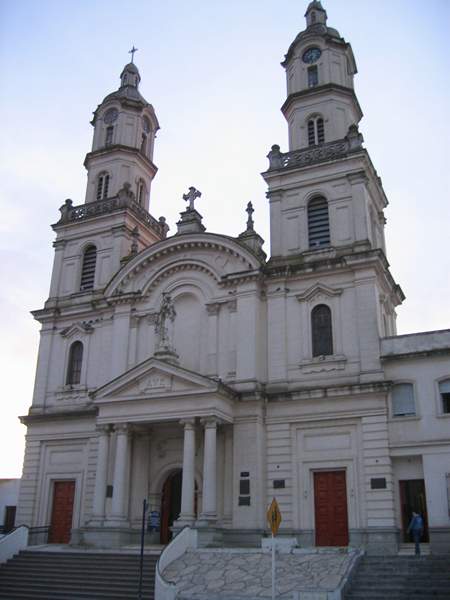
(76, 575)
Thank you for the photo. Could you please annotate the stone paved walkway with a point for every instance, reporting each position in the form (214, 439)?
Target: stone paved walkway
(246, 574)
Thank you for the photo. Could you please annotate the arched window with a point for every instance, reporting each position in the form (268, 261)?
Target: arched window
(313, 76)
(74, 364)
(109, 135)
(444, 390)
(318, 223)
(322, 336)
(316, 131)
(403, 400)
(102, 186)
(140, 196)
(88, 268)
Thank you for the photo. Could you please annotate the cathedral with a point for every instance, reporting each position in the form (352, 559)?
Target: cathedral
(198, 373)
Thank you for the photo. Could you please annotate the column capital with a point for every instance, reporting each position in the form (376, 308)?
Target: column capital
(122, 428)
(103, 428)
(187, 423)
(210, 422)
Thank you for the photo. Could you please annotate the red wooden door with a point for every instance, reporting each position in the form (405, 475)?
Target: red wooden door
(330, 506)
(62, 512)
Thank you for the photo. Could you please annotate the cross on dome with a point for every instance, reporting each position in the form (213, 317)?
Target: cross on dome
(132, 51)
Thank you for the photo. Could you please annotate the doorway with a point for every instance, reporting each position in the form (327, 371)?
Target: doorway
(62, 512)
(330, 508)
(413, 498)
(170, 505)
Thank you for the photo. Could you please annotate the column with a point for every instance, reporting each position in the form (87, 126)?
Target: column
(120, 473)
(209, 511)
(98, 506)
(188, 478)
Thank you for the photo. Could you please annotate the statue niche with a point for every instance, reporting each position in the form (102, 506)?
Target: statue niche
(164, 327)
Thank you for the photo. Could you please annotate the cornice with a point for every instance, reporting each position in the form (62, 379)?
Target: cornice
(112, 148)
(332, 391)
(45, 417)
(318, 91)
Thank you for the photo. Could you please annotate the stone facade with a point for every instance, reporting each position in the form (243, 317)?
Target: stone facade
(195, 373)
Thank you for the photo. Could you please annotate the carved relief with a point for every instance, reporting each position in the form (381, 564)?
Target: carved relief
(153, 382)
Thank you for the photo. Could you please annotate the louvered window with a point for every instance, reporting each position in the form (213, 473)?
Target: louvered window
(313, 76)
(318, 223)
(88, 268)
(75, 362)
(320, 131)
(316, 131)
(311, 133)
(403, 400)
(102, 186)
(322, 336)
(444, 390)
(109, 136)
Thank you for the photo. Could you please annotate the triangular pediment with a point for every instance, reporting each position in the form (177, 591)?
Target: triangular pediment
(77, 329)
(318, 291)
(156, 378)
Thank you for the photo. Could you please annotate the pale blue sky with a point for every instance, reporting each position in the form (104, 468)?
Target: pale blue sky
(211, 69)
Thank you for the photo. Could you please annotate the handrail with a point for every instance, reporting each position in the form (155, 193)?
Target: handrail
(13, 542)
(187, 538)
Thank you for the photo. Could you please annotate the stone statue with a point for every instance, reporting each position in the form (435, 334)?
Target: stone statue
(165, 316)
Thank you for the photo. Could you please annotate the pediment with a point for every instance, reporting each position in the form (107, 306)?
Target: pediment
(156, 378)
(318, 291)
(77, 329)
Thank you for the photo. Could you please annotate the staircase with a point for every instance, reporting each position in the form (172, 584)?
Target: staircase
(82, 575)
(401, 578)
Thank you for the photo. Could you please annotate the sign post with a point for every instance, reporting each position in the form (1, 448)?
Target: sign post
(274, 520)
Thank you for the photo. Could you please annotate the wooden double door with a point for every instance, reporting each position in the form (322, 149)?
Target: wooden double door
(62, 512)
(330, 508)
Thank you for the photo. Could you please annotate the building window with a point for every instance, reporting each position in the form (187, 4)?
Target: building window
(102, 186)
(318, 223)
(403, 404)
(444, 390)
(316, 131)
(74, 365)
(88, 268)
(313, 76)
(140, 196)
(109, 135)
(322, 336)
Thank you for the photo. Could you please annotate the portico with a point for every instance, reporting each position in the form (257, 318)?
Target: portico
(136, 454)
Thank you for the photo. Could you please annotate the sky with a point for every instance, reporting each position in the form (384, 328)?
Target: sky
(211, 69)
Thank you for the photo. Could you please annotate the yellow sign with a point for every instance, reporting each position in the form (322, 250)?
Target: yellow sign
(274, 517)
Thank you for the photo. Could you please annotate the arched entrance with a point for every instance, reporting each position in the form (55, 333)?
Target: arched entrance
(170, 504)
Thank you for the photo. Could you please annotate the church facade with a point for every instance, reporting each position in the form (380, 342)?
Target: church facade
(197, 373)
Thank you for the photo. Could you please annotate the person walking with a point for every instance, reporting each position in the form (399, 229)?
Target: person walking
(415, 527)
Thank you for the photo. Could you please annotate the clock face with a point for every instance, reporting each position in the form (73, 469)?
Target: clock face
(145, 124)
(311, 55)
(111, 115)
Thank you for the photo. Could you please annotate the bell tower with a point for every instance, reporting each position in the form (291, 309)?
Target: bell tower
(94, 239)
(125, 127)
(321, 103)
(327, 206)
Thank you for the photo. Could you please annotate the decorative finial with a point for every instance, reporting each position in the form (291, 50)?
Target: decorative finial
(250, 210)
(191, 196)
(132, 51)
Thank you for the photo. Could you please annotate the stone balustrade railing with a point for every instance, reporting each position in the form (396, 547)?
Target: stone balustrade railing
(123, 200)
(316, 154)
